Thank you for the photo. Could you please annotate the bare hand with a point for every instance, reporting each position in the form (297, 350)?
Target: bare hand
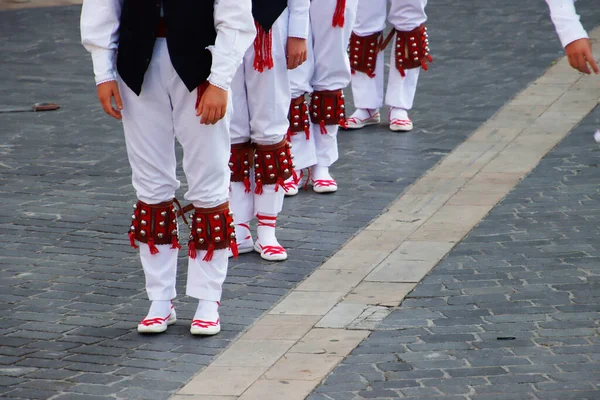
(580, 55)
(296, 52)
(106, 92)
(212, 106)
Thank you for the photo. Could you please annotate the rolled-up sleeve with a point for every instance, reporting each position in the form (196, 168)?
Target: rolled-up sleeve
(566, 21)
(299, 18)
(235, 33)
(100, 35)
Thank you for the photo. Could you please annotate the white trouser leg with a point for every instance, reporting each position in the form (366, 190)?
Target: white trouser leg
(150, 141)
(368, 92)
(240, 120)
(241, 204)
(332, 67)
(205, 278)
(268, 92)
(370, 18)
(405, 15)
(305, 154)
(401, 90)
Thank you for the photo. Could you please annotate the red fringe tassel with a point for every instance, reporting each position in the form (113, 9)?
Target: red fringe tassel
(247, 186)
(307, 131)
(234, 248)
(323, 129)
(192, 249)
(259, 188)
(152, 247)
(132, 240)
(338, 16)
(263, 49)
(209, 253)
(175, 243)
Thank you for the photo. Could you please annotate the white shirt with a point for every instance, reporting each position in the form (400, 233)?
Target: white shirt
(299, 18)
(233, 22)
(566, 21)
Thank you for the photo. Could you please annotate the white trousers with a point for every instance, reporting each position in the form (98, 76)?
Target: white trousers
(165, 111)
(327, 68)
(404, 15)
(261, 103)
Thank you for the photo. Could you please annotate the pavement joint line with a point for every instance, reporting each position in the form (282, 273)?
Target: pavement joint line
(252, 369)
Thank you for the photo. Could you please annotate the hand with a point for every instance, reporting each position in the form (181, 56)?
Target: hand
(212, 106)
(580, 55)
(296, 52)
(106, 92)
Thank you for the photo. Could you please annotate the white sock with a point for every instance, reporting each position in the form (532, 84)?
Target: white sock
(398, 113)
(159, 309)
(207, 311)
(363, 113)
(266, 229)
(320, 173)
(242, 232)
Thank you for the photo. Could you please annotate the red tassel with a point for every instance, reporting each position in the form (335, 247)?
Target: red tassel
(338, 16)
(259, 188)
(152, 247)
(307, 131)
(280, 182)
(371, 75)
(209, 253)
(234, 248)
(175, 243)
(295, 176)
(247, 186)
(288, 135)
(132, 240)
(192, 249)
(263, 52)
(323, 129)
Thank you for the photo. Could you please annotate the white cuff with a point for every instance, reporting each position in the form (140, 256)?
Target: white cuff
(298, 25)
(224, 67)
(103, 61)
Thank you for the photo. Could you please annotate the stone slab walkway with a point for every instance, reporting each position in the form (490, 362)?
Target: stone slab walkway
(71, 288)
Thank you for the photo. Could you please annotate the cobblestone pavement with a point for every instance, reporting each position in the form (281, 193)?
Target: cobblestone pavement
(513, 312)
(72, 289)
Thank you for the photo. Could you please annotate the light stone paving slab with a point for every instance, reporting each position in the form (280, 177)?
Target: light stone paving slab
(210, 383)
(253, 353)
(267, 389)
(404, 243)
(387, 294)
(342, 315)
(307, 303)
(281, 327)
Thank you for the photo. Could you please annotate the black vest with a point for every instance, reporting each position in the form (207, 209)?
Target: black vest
(266, 12)
(190, 29)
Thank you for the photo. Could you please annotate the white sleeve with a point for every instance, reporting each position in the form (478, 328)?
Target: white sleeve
(100, 35)
(566, 21)
(299, 20)
(235, 33)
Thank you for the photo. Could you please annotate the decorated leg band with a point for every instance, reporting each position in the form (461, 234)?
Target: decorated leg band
(211, 229)
(240, 163)
(154, 224)
(298, 117)
(273, 165)
(411, 49)
(327, 108)
(363, 52)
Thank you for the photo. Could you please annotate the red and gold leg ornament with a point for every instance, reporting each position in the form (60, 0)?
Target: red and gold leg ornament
(240, 162)
(154, 224)
(272, 165)
(327, 107)
(363, 52)
(298, 117)
(338, 15)
(211, 229)
(411, 49)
